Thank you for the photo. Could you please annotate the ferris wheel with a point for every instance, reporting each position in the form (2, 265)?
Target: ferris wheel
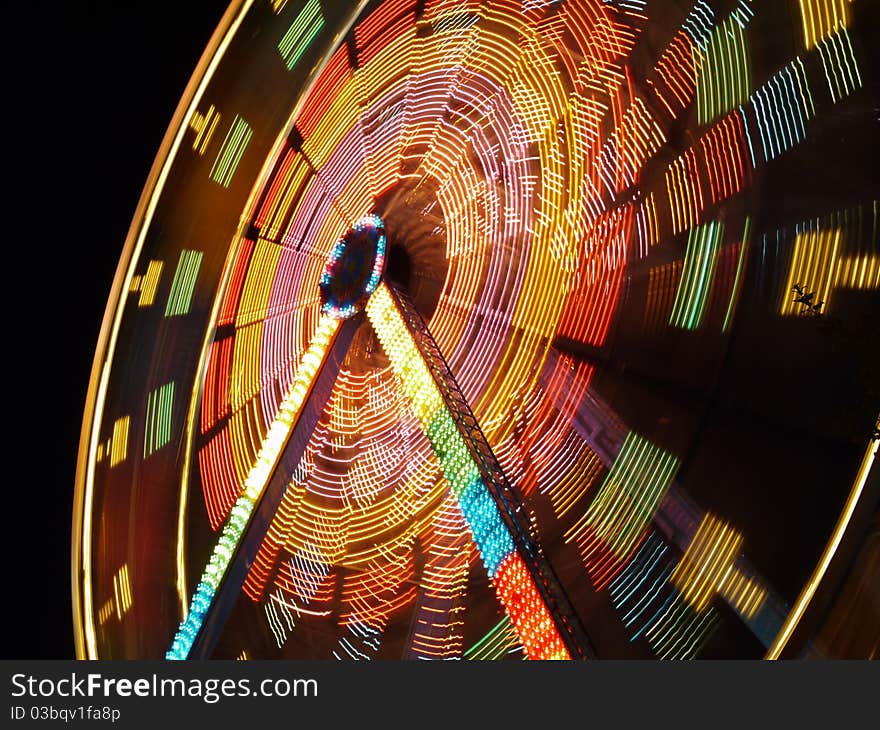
(464, 329)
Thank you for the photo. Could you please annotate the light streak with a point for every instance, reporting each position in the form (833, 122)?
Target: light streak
(616, 522)
(236, 523)
(723, 79)
(820, 18)
(119, 440)
(515, 588)
(183, 284)
(306, 25)
(496, 644)
(230, 153)
(705, 566)
(697, 276)
(818, 262)
(810, 587)
(147, 283)
(157, 429)
(204, 125)
(839, 63)
(738, 279)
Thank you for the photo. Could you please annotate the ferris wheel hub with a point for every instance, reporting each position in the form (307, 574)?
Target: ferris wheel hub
(354, 268)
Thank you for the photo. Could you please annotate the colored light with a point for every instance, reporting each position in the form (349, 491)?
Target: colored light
(157, 429)
(612, 528)
(820, 18)
(723, 81)
(147, 284)
(840, 65)
(697, 276)
(515, 589)
(819, 264)
(119, 440)
(301, 33)
(183, 284)
(231, 151)
(353, 268)
(254, 485)
(496, 644)
(204, 125)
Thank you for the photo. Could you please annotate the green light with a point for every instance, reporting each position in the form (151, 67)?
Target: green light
(184, 283)
(724, 81)
(157, 431)
(737, 282)
(496, 644)
(301, 33)
(631, 493)
(693, 291)
(231, 151)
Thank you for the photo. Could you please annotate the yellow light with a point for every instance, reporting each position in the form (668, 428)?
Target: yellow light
(819, 267)
(707, 568)
(821, 18)
(809, 589)
(119, 441)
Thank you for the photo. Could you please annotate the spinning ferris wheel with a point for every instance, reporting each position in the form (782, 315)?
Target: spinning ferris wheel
(467, 329)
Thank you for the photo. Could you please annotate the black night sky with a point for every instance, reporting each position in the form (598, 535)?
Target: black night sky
(89, 89)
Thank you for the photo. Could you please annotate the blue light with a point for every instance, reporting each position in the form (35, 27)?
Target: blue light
(490, 533)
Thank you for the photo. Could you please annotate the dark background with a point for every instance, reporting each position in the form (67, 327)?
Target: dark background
(88, 92)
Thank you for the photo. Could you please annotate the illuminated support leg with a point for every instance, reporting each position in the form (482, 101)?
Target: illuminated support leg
(526, 585)
(252, 513)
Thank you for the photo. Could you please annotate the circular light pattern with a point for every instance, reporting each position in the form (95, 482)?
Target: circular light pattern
(353, 268)
(601, 211)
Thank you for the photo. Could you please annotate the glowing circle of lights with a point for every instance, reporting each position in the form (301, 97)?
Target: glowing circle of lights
(353, 268)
